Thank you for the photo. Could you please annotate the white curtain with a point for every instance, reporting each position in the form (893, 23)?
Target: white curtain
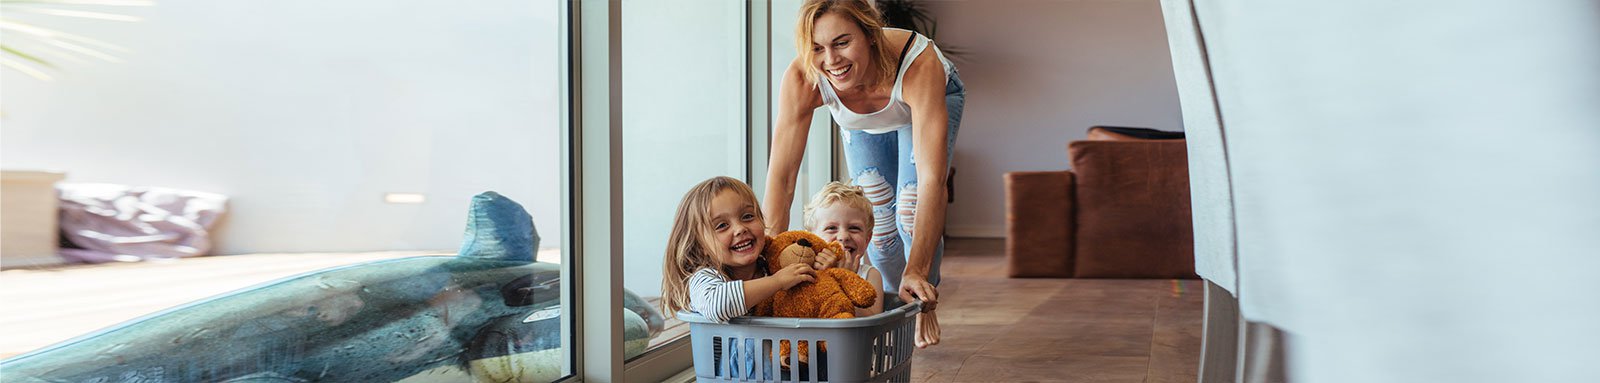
(1416, 185)
(1209, 192)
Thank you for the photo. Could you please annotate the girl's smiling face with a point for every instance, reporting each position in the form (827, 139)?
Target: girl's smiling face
(738, 228)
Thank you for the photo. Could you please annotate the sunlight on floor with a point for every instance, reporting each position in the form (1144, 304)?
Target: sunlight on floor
(44, 306)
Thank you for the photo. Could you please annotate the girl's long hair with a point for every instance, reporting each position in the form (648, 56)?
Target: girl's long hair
(691, 245)
(867, 18)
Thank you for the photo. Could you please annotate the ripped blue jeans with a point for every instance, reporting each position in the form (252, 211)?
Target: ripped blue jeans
(884, 166)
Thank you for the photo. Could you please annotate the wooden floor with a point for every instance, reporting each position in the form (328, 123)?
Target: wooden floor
(996, 329)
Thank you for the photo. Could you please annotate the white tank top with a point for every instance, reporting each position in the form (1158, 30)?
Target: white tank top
(894, 116)
(864, 269)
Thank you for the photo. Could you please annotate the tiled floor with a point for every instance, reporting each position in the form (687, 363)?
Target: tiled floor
(998, 329)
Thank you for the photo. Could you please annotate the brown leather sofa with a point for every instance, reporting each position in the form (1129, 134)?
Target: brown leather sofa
(1121, 212)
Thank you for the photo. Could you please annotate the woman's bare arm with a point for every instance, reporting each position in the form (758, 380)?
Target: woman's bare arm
(923, 90)
(797, 100)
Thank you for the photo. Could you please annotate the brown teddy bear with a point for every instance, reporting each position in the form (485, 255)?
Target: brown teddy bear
(836, 293)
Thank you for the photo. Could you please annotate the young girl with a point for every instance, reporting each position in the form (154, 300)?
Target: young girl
(842, 213)
(713, 262)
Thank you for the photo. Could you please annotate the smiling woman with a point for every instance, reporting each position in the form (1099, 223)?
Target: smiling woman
(898, 102)
(851, 35)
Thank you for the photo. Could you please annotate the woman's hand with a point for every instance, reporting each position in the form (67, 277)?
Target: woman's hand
(794, 274)
(914, 287)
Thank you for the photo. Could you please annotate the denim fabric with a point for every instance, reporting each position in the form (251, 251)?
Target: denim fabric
(883, 165)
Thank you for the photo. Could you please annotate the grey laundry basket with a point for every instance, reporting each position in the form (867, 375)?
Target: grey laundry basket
(871, 349)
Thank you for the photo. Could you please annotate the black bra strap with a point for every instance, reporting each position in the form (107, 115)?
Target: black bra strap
(904, 51)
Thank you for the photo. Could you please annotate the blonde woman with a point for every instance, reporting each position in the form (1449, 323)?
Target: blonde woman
(898, 102)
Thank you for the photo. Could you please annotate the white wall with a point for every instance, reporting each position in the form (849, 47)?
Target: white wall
(1039, 73)
(306, 112)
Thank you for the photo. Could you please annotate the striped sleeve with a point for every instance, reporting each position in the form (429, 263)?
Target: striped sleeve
(715, 297)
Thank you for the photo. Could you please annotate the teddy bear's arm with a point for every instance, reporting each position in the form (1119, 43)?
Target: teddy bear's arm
(838, 251)
(857, 289)
(763, 309)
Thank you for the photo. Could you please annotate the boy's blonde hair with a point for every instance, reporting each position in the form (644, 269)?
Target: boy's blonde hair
(866, 17)
(837, 192)
(691, 245)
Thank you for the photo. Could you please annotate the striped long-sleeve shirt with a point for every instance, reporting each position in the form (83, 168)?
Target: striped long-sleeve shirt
(712, 295)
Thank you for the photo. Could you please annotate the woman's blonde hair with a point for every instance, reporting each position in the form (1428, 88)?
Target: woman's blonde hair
(865, 16)
(837, 192)
(691, 245)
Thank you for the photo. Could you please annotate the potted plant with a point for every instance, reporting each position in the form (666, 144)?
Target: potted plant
(913, 15)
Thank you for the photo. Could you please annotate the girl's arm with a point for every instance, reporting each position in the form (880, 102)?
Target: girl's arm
(761, 289)
(924, 92)
(719, 299)
(797, 100)
(715, 297)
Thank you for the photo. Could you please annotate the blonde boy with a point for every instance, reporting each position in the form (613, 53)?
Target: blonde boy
(842, 213)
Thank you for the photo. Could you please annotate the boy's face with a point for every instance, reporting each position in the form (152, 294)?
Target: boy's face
(738, 228)
(840, 223)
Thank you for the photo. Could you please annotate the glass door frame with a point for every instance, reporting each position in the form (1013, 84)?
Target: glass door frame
(594, 154)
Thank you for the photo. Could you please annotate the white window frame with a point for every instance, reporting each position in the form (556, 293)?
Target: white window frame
(594, 154)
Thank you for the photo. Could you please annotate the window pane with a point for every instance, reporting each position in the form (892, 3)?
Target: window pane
(683, 120)
(822, 164)
(349, 134)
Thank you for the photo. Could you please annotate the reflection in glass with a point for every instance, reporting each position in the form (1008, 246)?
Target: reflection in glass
(340, 133)
(490, 313)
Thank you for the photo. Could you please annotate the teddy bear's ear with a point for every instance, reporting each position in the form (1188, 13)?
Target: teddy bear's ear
(771, 259)
(773, 247)
(777, 243)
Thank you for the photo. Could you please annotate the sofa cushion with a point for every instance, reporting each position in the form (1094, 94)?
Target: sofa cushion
(1039, 224)
(1122, 133)
(1132, 209)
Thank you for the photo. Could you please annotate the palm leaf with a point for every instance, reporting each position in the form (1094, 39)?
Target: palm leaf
(123, 3)
(24, 55)
(25, 68)
(41, 42)
(72, 13)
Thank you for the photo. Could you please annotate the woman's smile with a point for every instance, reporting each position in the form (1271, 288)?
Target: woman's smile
(838, 74)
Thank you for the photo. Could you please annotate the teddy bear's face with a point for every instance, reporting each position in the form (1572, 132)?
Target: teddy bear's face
(798, 252)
